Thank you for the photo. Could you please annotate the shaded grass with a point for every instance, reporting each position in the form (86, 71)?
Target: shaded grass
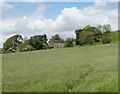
(78, 69)
(0, 50)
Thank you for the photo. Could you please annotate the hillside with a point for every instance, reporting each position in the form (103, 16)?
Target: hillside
(114, 36)
(78, 69)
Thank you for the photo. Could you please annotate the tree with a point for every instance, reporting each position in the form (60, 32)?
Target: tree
(86, 38)
(38, 42)
(106, 28)
(55, 37)
(77, 32)
(56, 41)
(106, 39)
(87, 26)
(69, 42)
(12, 42)
(25, 46)
(83, 35)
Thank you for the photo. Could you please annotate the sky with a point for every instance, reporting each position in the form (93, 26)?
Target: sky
(32, 18)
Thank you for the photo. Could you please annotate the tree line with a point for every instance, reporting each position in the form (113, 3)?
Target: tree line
(87, 36)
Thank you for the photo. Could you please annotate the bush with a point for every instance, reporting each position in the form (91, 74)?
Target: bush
(12, 42)
(1, 51)
(50, 47)
(10, 50)
(28, 48)
(86, 38)
(106, 39)
(25, 47)
(69, 42)
(38, 42)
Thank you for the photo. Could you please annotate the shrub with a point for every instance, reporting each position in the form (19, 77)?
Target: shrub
(10, 50)
(1, 51)
(69, 42)
(106, 39)
(87, 38)
(12, 42)
(50, 47)
(25, 47)
(38, 42)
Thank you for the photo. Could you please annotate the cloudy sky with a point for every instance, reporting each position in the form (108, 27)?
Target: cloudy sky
(63, 18)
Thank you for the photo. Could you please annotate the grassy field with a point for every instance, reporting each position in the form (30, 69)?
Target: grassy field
(114, 36)
(78, 69)
(0, 73)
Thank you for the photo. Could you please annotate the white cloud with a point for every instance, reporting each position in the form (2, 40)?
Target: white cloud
(65, 23)
(31, 0)
(5, 6)
(41, 9)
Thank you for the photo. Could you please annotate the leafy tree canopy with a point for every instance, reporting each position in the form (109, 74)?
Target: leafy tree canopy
(69, 42)
(12, 42)
(38, 41)
(55, 37)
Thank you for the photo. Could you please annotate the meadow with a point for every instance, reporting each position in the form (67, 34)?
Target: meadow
(77, 69)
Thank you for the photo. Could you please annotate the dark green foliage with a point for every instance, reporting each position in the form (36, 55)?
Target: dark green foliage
(56, 42)
(86, 38)
(15, 43)
(87, 35)
(22, 46)
(25, 47)
(69, 42)
(55, 37)
(1, 51)
(106, 39)
(77, 32)
(12, 42)
(91, 35)
(38, 42)
(49, 47)
(106, 34)
(97, 35)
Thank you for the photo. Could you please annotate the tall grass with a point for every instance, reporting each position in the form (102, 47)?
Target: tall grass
(78, 69)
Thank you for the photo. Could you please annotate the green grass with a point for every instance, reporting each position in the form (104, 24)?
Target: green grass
(78, 69)
(0, 73)
(114, 36)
